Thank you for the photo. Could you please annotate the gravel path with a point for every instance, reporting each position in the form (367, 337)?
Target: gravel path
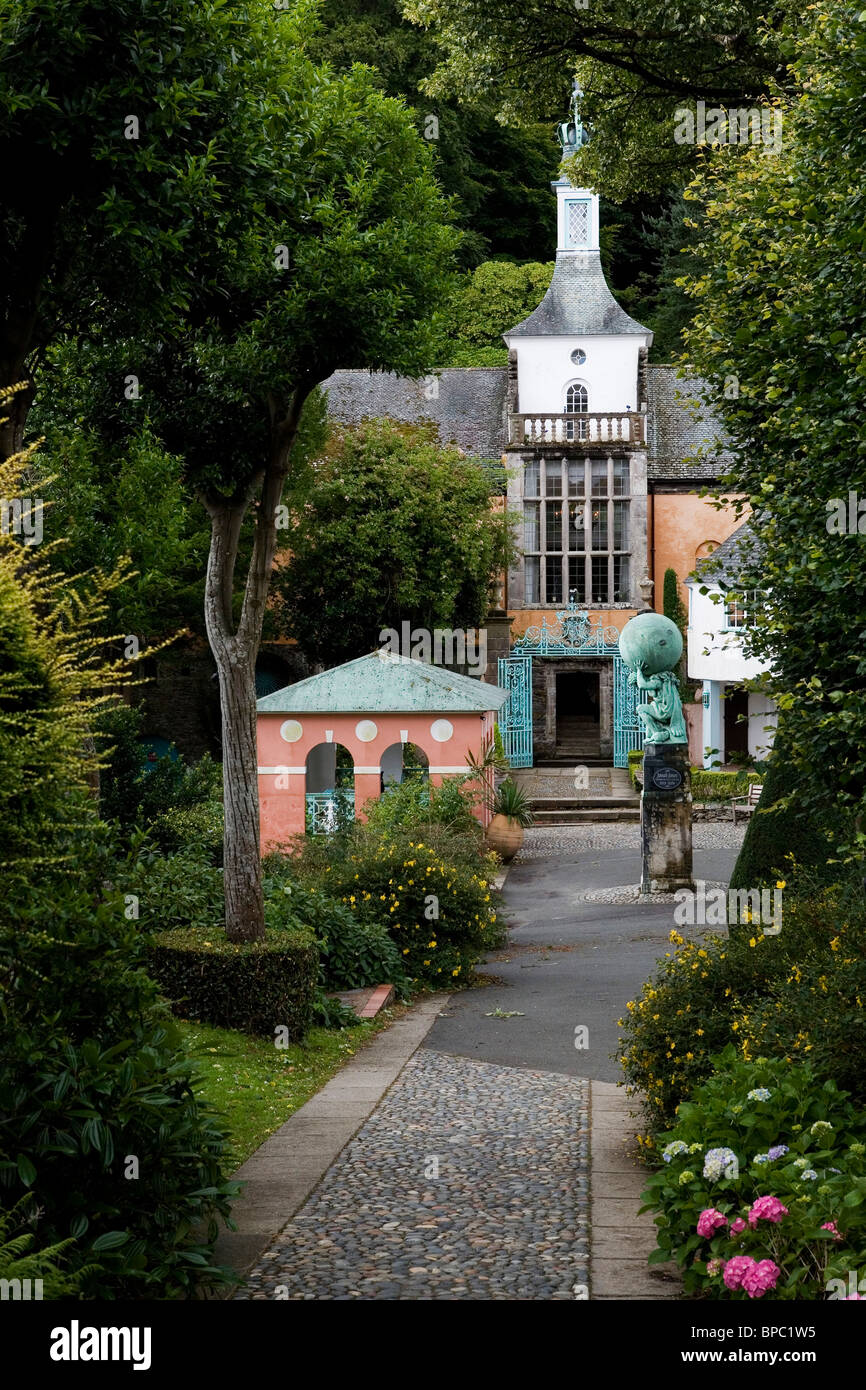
(506, 1217)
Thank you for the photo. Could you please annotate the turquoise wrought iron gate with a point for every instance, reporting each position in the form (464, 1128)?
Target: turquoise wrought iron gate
(571, 635)
(627, 728)
(515, 717)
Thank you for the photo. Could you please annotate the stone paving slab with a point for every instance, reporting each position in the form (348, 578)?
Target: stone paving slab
(621, 1238)
(468, 1182)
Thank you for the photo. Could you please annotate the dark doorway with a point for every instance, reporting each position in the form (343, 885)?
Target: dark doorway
(736, 708)
(577, 714)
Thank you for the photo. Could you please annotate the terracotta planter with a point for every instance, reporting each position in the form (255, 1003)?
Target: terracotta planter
(505, 836)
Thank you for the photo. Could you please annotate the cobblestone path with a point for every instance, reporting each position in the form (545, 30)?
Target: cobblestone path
(469, 1181)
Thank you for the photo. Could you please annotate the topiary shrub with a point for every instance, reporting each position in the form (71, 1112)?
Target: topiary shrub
(779, 835)
(254, 986)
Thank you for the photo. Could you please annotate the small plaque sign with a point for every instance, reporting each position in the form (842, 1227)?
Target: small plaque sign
(667, 779)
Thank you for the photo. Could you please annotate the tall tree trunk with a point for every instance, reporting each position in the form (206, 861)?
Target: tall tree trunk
(235, 657)
(235, 652)
(245, 918)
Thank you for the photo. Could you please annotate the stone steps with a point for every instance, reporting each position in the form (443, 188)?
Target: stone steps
(561, 803)
(575, 814)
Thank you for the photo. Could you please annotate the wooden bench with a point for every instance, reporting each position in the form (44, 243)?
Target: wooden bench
(749, 801)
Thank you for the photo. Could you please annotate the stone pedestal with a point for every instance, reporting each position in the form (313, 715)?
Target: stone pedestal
(666, 819)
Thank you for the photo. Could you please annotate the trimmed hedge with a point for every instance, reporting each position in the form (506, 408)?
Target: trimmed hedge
(255, 987)
(707, 784)
(778, 837)
(710, 784)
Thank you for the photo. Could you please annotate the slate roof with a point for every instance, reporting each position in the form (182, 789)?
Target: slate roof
(683, 438)
(468, 410)
(384, 683)
(736, 555)
(577, 301)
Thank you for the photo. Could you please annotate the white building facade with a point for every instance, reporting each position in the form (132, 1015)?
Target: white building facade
(736, 720)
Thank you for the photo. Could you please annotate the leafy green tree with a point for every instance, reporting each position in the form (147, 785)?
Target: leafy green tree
(127, 502)
(495, 297)
(498, 176)
(780, 337)
(108, 114)
(282, 222)
(91, 1069)
(333, 252)
(638, 62)
(410, 523)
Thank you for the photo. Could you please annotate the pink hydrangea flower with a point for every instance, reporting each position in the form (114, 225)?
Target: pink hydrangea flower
(736, 1270)
(737, 1225)
(709, 1222)
(760, 1278)
(715, 1266)
(766, 1209)
(858, 1296)
(831, 1226)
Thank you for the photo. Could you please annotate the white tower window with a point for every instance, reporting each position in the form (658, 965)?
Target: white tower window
(576, 403)
(577, 222)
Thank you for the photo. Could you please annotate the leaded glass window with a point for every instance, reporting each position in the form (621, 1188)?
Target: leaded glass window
(576, 531)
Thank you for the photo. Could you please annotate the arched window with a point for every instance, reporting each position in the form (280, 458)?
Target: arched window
(576, 403)
(576, 400)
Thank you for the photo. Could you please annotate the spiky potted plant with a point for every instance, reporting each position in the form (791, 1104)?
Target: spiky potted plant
(511, 815)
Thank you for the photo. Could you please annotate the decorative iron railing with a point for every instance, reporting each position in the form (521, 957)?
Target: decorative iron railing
(325, 810)
(601, 428)
(571, 635)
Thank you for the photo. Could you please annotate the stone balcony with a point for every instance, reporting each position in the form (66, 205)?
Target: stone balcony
(622, 430)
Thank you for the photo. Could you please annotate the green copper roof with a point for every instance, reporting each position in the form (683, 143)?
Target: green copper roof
(382, 683)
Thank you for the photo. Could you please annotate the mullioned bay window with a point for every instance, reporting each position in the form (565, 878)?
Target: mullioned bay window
(576, 531)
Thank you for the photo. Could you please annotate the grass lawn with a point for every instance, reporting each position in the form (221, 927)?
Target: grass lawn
(257, 1085)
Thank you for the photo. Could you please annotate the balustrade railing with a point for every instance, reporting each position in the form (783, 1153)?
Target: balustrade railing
(324, 810)
(605, 428)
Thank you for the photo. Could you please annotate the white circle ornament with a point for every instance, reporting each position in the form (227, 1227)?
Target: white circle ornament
(291, 731)
(442, 730)
(365, 730)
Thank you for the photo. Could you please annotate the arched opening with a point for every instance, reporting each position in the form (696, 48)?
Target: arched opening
(576, 403)
(404, 762)
(704, 549)
(329, 787)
